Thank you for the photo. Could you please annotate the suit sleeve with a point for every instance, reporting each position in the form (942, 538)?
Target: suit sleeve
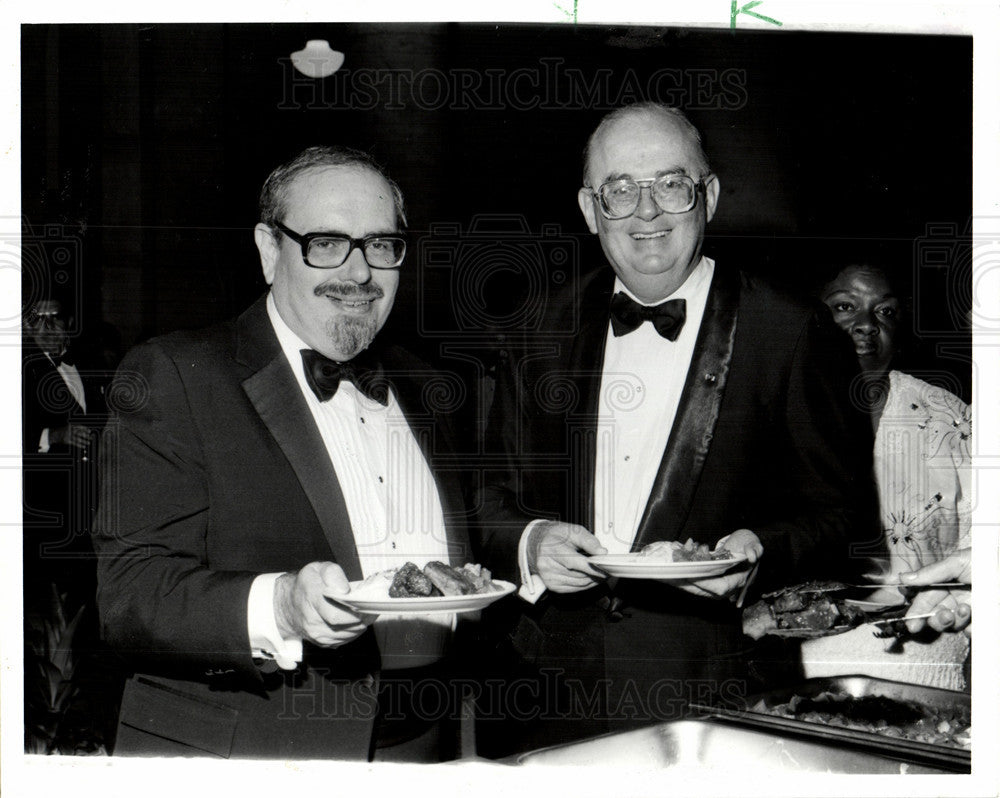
(827, 522)
(499, 521)
(159, 603)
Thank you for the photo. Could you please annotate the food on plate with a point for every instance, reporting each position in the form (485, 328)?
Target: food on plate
(410, 582)
(450, 581)
(439, 579)
(812, 609)
(876, 714)
(675, 551)
(481, 578)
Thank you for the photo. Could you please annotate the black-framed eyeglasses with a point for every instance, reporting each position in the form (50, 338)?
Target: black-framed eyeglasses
(330, 250)
(619, 199)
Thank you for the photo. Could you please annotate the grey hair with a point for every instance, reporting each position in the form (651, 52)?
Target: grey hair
(274, 194)
(649, 108)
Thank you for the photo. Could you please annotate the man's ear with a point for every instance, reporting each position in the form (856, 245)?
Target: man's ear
(267, 246)
(711, 197)
(585, 198)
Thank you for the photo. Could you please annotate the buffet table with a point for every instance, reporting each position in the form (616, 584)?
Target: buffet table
(766, 736)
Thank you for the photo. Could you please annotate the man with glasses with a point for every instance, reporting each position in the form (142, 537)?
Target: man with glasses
(63, 408)
(725, 419)
(254, 470)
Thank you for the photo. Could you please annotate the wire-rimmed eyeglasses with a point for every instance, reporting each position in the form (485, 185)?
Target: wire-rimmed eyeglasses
(674, 193)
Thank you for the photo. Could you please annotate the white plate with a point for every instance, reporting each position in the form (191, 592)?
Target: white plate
(372, 596)
(635, 566)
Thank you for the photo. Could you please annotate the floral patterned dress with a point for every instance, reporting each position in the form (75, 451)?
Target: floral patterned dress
(922, 468)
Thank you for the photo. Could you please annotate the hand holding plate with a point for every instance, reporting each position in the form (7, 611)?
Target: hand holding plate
(306, 606)
(558, 553)
(743, 544)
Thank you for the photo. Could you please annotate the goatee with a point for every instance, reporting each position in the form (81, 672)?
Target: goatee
(348, 337)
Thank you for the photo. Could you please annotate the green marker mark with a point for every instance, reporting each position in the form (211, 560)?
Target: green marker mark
(570, 15)
(745, 9)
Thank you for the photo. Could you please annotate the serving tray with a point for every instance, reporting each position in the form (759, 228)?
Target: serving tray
(755, 714)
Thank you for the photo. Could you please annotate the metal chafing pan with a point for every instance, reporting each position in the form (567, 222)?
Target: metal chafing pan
(756, 715)
(719, 746)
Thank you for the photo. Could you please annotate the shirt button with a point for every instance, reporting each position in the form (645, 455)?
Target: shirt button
(628, 457)
(380, 479)
(362, 419)
(394, 544)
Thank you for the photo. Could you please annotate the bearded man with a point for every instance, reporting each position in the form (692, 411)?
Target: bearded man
(253, 470)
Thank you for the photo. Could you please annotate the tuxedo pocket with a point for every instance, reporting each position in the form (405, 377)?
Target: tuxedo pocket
(178, 719)
(527, 639)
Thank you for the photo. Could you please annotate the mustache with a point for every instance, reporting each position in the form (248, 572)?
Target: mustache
(349, 290)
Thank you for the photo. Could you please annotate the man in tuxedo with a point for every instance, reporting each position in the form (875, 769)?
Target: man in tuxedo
(253, 470)
(62, 411)
(669, 398)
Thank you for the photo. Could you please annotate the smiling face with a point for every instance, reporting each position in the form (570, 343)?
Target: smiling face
(335, 311)
(864, 306)
(651, 251)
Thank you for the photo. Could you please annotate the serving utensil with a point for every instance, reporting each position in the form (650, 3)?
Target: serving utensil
(933, 585)
(896, 627)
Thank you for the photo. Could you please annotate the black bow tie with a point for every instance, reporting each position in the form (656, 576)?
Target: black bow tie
(65, 359)
(324, 376)
(627, 315)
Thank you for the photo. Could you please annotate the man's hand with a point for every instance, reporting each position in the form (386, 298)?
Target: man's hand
(952, 608)
(305, 606)
(558, 553)
(741, 542)
(74, 435)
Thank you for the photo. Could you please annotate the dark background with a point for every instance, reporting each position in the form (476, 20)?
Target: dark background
(144, 147)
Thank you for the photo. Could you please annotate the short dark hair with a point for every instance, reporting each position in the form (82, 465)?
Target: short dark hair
(649, 108)
(274, 193)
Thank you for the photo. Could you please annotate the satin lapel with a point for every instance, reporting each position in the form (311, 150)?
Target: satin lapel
(691, 435)
(411, 389)
(275, 394)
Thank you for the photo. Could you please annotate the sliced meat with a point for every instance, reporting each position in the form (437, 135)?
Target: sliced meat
(450, 581)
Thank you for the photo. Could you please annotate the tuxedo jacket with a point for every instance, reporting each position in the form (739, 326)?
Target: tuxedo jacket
(48, 403)
(215, 472)
(60, 485)
(765, 437)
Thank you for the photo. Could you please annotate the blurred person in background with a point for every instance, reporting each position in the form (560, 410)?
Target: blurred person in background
(67, 684)
(922, 469)
(62, 411)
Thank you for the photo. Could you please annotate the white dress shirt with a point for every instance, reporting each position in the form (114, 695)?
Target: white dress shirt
(394, 509)
(74, 384)
(641, 385)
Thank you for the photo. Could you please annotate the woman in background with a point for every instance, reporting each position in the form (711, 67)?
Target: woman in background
(921, 466)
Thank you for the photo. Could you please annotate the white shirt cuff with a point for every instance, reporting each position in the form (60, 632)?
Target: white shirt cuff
(43, 442)
(532, 585)
(265, 639)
